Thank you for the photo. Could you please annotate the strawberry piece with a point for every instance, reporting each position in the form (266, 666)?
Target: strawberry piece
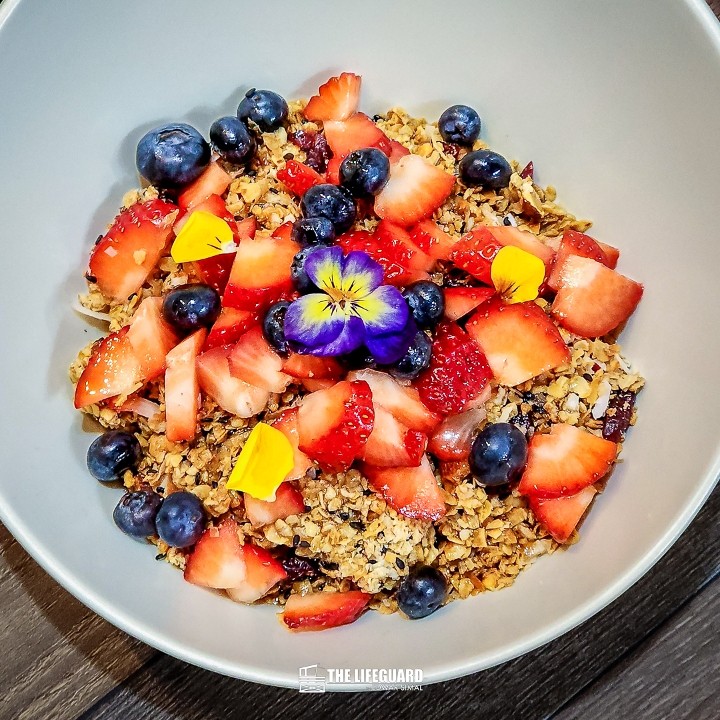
(459, 301)
(288, 501)
(564, 461)
(457, 374)
(129, 251)
(402, 401)
(391, 444)
(182, 390)
(310, 366)
(334, 424)
(230, 326)
(323, 610)
(412, 491)
(213, 181)
(214, 205)
(313, 385)
(332, 173)
(298, 178)
(592, 300)
(255, 362)
(520, 341)
(612, 254)
(357, 132)
(454, 437)
(429, 237)
(397, 151)
(217, 561)
(509, 235)
(113, 369)
(574, 243)
(151, 337)
(230, 393)
(561, 515)
(396, 241)
(474, 253)
(337, 99)
(262, 573)
(283, 232)
(415, 189)
(286, 423)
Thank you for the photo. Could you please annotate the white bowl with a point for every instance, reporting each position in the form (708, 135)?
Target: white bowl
(616, 107)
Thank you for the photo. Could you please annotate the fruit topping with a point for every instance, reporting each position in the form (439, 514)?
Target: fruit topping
(416, 360)
(151, 337)
(254, 361)
(331, 202)
(298, 178)
(232, 140)
(262, 573)
(191, 307)
(459, 301)
(217, 561)
(337, 99)
(422, 592)
(562, 514)
(454, 436)
(182, 391)
(391, 444)
(365, 172)
(111, 454)
(313, 231)
(273, 327)
(618, 415)
(288, 501)
(426, 302)
(181, 519)
(213, 181)
(486, 169)
(265, 108)
(136, 512)
(459, 124)
(498, 455)
(322, 610)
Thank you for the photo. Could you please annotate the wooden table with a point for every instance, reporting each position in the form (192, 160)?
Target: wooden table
(654, 653)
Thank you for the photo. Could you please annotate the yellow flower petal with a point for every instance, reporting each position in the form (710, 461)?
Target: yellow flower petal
(265, 461)
(517, 274)
(202, 236)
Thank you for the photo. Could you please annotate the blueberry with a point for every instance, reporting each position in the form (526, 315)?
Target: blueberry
(313, 231)
(359, 359)
(264, 107)
(301, 280)
(332, 202)
(181, 519)
(232, 139)
(415, 360)
(173, 155)
(460, 125)
(111, 454)
(136, 512)
(274, 326)
(422, 592)
(498, 455)
(191, 307)
(486, 168)
(426, 301)
(365, 173)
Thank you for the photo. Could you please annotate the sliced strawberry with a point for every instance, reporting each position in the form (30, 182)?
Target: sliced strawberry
(129, 251)
(262, 573)
(392, 444)
(429, 237)
(574, 243)
(151, 337)
(412, 491)
(230, 326)
(288, 501)
(561, 515)
(182, 390)
(254, 361)
(298, 178)
(323, 610)
(612, 254)
(592, 300)
(564, 461)
(457, 374)
(357, 132)
(402, 401)
(332, 173)
(397, 151)
(309, 366)
(313, 385)
(283, 232)
(217, 561)
(397, 242)
(286, 423)
(520, 341)
(415, 189)
(334, 424)
(454, 437)
(231, 394)
(214, 204)
(213, 181)
(113, 369)
(459, 301)
(474, 253)
(509, 235)
(337, 99)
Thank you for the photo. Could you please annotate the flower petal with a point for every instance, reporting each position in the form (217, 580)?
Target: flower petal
(383, 311)
(202, 236)
(351, 338)
(388, 349)
(517, 274)
(324, 267)
(313, 320)
(360, 275)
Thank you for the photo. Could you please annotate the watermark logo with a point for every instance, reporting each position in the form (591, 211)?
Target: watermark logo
(317, 679)
(313, 679)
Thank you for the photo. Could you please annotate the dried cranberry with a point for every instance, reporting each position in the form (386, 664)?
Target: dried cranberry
(299, 568)
(527, 171)
(315, 146)
(452, 149)
(617, 416)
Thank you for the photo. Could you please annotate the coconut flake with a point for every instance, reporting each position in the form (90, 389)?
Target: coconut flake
(601, 404)
(623, 364)
(572, 402)
(142, 406)
(79, 307)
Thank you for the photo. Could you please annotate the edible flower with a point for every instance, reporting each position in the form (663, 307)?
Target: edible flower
(264, 462)
(352, 309)
(203, 235)
(517, 274)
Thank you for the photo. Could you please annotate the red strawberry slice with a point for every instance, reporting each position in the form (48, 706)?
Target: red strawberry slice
(612, 254)
(217, 561)
(230, 393)
(332, 172)
(520, 341)
(397, 151)
(592, 300)
(412, 491)
(457, 374)
(337, 99)
(182, 390)
(459, 301)
(564, 461)
(323, 610)
(298, 178)
(129, 251)
(313, 385)
(286, 423)
(113, 369)
(357, 132)
(255, 362)
(561, 515)
(214, 205)
(288, 501)
(474, 253)
(230, 326)
(454, 437)
(396, 241)
(283, 232)
(392, 444)
(509, 235)
(262, 573)
(309, 366)
(415, 189)
(334, 424)
(151, 337)
(429, 237)
(213, 181)
(574, 243)
(402, 401)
